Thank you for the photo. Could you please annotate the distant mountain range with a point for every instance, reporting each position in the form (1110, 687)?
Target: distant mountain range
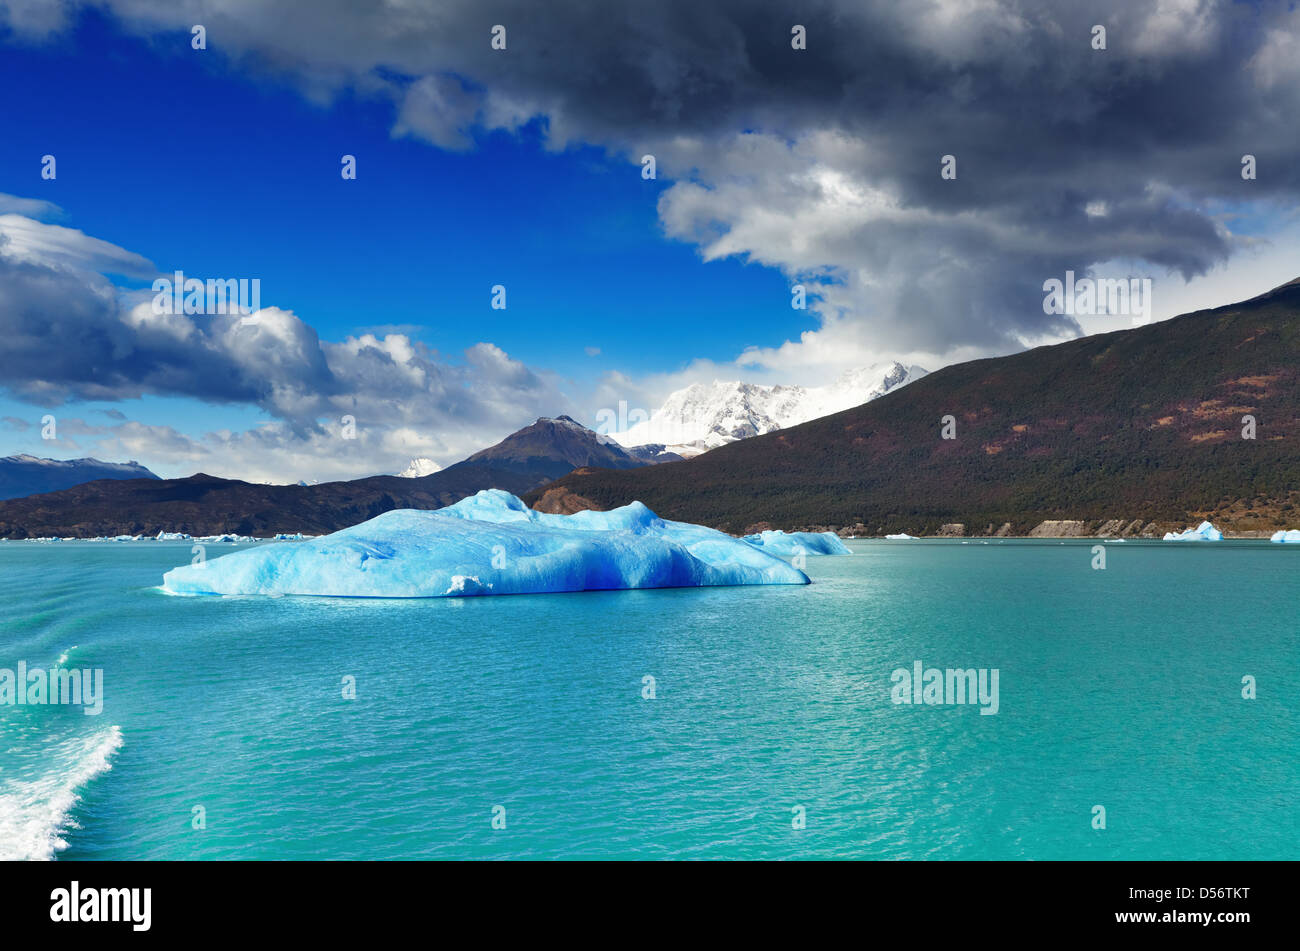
(1127, 433)
(1121, 433)
(206, 505)
(691, 421)
(707, 415)
(24, 475)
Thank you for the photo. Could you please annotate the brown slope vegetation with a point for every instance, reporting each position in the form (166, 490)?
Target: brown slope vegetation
(1143, 423)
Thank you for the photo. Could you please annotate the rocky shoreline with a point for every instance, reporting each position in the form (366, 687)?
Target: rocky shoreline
(560, 500)
(1052, 528)
(1136, 528)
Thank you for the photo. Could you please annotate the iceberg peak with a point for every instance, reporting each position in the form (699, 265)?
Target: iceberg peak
(1205, 532)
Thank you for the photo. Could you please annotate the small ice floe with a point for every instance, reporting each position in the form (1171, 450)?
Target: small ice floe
(1205, 532)
(901, 536)
(795, 543)
(1289, 536)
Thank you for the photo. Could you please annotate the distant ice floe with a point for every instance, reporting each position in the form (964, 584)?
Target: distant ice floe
(1205, 532)
(795, 543)
(901, 536)
(490, 543)
(1289, 536)
(228, 538)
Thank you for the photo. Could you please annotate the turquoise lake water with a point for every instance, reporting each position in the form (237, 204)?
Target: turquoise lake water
(1120, 688)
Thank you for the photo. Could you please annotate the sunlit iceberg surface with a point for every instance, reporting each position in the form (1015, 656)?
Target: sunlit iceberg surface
(1205, 532)
(795, 543)
(490, 543)
(1291, 535)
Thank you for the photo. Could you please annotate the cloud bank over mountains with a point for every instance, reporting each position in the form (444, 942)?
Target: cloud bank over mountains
(69, 334)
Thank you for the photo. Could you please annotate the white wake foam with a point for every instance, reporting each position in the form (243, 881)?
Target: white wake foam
(35, 811)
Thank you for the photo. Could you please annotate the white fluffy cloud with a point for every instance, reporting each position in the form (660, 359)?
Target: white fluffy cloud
(405, 399)
(23, 239)
(272, 452)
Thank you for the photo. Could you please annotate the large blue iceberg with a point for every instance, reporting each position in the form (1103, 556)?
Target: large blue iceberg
(490, 543)
(796, 543)
(1205, 532)
(1289, 536)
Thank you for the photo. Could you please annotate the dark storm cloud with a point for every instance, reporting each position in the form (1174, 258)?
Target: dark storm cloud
(1067, 156)
(65, 334)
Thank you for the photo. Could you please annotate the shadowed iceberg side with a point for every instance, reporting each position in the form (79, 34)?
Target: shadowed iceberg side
(794, 543)
(490, 543)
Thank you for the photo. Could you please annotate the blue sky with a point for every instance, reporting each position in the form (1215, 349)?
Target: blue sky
(173, 155)
(176, 156)
(475, 169)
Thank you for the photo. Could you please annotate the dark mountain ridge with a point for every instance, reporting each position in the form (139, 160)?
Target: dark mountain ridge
(1139, 425)
(552, 448)
(207, 505)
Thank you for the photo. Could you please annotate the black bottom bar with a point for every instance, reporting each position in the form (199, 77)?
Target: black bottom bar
(1172, 901)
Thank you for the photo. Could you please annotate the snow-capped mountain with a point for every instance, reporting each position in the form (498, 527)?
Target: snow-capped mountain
(704, 416)
(419, 467)
(24, 475)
